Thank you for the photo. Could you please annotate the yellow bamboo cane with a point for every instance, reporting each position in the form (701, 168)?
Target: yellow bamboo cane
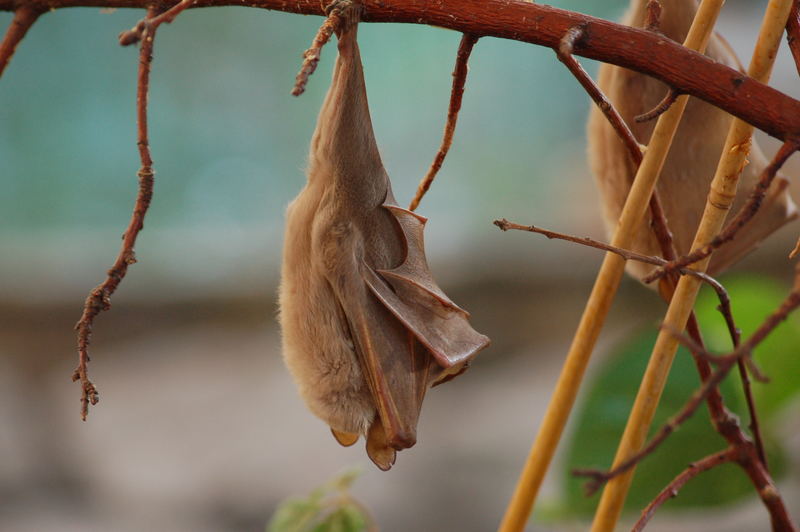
(605, 287)
(720, 199)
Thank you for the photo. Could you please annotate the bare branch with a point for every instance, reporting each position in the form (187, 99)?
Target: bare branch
(644, 51)
(456, 94)
(24, 17)
(564, 54)
(99, 298)
(671, 491)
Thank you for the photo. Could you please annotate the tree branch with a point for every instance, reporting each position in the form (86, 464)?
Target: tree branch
(24, 17)
(99, 298)
(684, 70)
(671, 491)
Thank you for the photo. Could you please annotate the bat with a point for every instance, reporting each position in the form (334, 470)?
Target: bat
(366, 330)
(691, 163)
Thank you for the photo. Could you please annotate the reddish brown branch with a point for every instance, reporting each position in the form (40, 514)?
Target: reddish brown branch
(643, 51)
(456, 94)
(24, 17)
(672, 489)
(626, 254)
(99, 298)
(745, 214)
(564, 54)
(793, 33)
(150, 24)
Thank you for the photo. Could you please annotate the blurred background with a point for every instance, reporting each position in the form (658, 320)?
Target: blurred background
(199, 427)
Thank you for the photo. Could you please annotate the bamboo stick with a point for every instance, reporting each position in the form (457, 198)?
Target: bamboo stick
(720, 199)
(602, 295)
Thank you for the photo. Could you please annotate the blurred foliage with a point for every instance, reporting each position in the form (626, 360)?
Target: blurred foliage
(329, 508)
(604, 410)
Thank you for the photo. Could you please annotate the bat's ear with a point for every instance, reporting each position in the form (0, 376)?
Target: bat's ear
(411, 294)
(345, 439)
(378, 448)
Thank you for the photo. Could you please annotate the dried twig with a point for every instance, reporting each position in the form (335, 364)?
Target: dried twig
(456, 94)
(99, 298)
(149, 24)
(626, 254)
(336, 12)
(671, 491)
(745, 214)
(24, 17)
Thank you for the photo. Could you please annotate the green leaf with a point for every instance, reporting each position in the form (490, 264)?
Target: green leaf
(752, 300)
(295, 515)
(328, 508)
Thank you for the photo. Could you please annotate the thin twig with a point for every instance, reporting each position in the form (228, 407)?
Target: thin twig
(150, 24)
(336, 12)
(660, 108)
(754, 466)
(671, 491)
(564, 52)
(652, 21)
(99, 298)
(793, 33)
(456, 94)
(745, 214)
(626, 254)
(24, 17)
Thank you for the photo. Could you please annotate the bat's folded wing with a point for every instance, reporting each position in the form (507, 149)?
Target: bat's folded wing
(410, 293)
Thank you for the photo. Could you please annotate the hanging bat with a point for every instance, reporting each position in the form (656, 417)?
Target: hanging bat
(366, 329)
(692, 161)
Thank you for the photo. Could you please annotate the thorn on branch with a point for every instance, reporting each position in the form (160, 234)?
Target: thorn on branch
(456, 94)
(99, 299)
(339, 12)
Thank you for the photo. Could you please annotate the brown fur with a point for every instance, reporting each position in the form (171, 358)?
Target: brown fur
(365, 328)
(692, 161)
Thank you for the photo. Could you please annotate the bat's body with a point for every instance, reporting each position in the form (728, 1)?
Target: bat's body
(690, 166)
(366, 330)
